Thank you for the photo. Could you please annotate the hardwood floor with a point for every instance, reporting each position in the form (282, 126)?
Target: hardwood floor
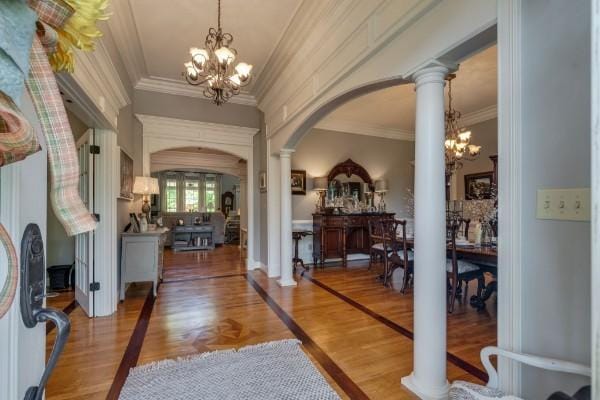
(348, 324)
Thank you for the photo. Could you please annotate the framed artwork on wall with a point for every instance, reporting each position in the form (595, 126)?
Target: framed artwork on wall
(479, 186)
(262, 182)
(126, 175)
(298, 182)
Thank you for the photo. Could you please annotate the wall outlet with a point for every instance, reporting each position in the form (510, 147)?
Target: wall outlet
(564, 204)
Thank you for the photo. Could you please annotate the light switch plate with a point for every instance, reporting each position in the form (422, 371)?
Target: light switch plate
(564, 204)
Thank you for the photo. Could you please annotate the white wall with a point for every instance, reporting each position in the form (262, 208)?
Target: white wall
(320, 150)
(556, 154)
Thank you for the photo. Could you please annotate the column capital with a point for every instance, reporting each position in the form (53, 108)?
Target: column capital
(286, 153)
(433, 71)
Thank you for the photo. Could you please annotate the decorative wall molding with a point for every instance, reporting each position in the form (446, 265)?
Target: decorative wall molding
(174, 159)
(476, 117)
(96, 86)
(361, 128)
(181, 88)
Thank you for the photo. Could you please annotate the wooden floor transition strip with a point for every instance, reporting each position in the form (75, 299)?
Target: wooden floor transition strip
(134, 347)
(202, 278)
(464, 365)
(67, 310)
(336, 373)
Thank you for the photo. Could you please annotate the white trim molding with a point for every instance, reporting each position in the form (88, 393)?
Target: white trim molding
(510, 137)
(176, 159)
(96, 87)
(181, 88)
(361, 128)
(482, 115)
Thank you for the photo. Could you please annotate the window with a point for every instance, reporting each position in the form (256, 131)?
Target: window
(209, 195)
(171, 189)
(192, 195)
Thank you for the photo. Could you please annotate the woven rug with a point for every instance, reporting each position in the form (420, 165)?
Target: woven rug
(274, 370)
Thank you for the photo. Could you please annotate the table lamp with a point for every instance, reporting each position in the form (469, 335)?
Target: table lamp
(320, 185)
(381, 188)
(146, 185)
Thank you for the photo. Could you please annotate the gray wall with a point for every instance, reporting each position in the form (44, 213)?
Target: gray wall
(194, 109)
(319, 151)
(556, 154)
(485, 134)
(260, 159)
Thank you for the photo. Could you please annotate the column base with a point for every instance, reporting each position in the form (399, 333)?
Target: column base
(411, 384)
(283, 283)
(251, 264)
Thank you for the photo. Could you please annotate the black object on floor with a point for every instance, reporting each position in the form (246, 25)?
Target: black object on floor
(60, 277)
(585, 393)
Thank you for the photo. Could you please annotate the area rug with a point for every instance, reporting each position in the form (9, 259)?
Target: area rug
(274, 370)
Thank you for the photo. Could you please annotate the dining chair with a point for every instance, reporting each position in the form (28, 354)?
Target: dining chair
(459, 271)
(376, 242)
(399, 256)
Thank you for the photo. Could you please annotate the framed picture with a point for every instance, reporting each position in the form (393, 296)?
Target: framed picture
(262, 182)
(126, 173)
(479, 186)
(298, 182)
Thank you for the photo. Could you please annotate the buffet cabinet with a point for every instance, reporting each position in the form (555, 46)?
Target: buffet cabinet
(336, 236)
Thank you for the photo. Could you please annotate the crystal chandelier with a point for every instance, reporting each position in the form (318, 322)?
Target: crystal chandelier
(213, 66)
(458, 139)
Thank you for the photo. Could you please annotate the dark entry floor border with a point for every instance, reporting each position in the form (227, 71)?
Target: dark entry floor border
(459, 362)
(67, 310)
(201, 278)
(336, 373)
(134, 347)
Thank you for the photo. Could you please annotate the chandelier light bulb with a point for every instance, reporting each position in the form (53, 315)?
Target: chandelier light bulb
(190, 70)
(224, 55)
(243, 70)
(465, 136)
(474, 150)
(235, 79)
(199, 57)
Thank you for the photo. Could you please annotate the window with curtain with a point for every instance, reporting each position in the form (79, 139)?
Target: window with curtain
(210, 197)
(171, 195)
(192, 195)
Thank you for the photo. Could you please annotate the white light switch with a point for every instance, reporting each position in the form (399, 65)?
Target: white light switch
(564, 204)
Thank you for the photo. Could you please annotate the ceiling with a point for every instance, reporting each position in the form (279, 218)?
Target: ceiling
(475, 88)
(167, 30)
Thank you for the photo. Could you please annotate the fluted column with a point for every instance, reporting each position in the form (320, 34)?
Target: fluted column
(285, 160)
(428, 379)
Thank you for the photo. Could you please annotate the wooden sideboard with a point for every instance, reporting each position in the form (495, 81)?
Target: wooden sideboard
(336, 236)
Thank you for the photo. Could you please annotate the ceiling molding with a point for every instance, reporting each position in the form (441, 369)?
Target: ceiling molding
(361, 128)
(96, 86)
(476, 117)
(123, 28)
(180, 88)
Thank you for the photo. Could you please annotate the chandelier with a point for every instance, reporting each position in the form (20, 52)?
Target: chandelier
(213, 66)
(458, 139)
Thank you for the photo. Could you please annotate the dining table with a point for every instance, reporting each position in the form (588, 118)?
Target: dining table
(485, 257)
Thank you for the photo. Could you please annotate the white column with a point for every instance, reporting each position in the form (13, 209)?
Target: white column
(243, 202)
(273, 213)
(428, 379)
(285, 159)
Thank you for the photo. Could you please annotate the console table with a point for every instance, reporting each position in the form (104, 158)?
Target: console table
(337, 235)
(193, 237)
(142, 258)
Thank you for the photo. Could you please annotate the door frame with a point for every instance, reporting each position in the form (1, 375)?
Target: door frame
(595, 192)
(509, 193)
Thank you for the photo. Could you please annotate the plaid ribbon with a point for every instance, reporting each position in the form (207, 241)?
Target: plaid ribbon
(53, 12)
(7, 294)
(62, 157)
(17, 137)
(48, 37)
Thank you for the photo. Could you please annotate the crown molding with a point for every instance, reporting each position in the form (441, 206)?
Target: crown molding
(476, 117)
(124, 31)
(366, 129)
(180, 88)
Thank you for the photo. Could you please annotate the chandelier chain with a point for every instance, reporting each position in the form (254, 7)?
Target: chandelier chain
(219, 15)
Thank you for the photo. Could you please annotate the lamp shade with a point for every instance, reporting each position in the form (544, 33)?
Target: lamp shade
(145, 185)
(320, 183)
(381, 186)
